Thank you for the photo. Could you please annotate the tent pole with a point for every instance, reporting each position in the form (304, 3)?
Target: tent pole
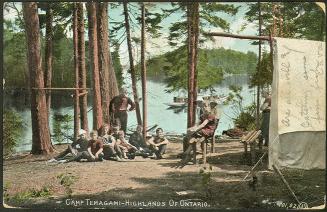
(286, 183)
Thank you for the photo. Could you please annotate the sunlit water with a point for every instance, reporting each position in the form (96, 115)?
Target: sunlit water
(172, 121)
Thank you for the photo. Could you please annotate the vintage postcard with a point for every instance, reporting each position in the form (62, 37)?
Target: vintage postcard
(164, 105)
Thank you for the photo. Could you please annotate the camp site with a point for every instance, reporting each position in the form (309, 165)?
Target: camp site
(164, 105)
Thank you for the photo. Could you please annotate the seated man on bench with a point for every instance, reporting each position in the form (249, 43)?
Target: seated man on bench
(206, 129)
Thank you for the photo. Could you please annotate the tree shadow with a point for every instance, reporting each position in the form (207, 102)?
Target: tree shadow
(224, 189)
(237, 159)
(159, 193)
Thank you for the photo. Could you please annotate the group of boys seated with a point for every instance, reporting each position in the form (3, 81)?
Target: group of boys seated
(110, 144)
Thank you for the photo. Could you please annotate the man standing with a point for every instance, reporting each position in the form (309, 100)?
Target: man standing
(265, 108)
(118, 108)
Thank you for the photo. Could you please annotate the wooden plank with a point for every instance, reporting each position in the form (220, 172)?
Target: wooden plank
(247, 136)
(249, 37)
(61, 88)
(82, 94)
(204, 153)
(254, 136)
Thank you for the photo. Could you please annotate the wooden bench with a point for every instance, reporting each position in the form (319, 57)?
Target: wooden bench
(250, 139)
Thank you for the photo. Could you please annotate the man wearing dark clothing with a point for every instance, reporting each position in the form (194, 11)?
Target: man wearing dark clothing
(119, 106)
(77, 146)
(265, 108)
(136, 139)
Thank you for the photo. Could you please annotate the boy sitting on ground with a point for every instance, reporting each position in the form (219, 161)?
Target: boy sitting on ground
(77, 146)
(109, 143)
(125, 149)
(158, 143)
(136, 139)
(94, 150)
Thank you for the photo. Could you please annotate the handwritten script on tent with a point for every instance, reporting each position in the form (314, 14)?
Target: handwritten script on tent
(301, 88)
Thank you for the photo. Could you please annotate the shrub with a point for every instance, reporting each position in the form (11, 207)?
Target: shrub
(243, 116)
(61, 127)
(67, 181)
(13, 127)
(45, 191)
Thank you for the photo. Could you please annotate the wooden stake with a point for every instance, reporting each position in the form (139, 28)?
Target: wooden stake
(82, 94)
(255, 166)
(286, 183)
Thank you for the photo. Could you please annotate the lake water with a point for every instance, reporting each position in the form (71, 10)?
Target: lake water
(172, 121)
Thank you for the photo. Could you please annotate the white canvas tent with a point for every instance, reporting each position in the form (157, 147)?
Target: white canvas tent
(297, 134)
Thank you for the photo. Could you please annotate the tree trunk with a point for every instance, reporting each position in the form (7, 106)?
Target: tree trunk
(129, 46)
(108, 82)
(259, 69)
(27, 83)
(195, 15)
(113, 83)
(41, 143)
(76, 97)
(93, 50)
(48, 54)
(192, 9)
(143, 71)
(81, 65)
(274, 18)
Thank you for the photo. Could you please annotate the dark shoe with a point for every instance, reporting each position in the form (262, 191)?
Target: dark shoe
(159, 156)
(145, 154)
(186, 159)
(131, 156)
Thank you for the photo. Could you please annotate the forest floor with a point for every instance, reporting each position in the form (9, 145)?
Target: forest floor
(30, 182)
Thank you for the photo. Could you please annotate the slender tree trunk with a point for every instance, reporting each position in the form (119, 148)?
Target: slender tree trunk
(259, 70)
(48, 54)
(280, 16)
(41, 143)
(76, 97)
(143, 71)
(27, 83)
(93, 50)
(129, 46)
(81, 65)
(192, 9)
(108, 81)
(113, 83)
(195, 15)
(274, 18)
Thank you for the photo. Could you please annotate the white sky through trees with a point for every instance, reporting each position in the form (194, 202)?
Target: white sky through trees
(160, 45)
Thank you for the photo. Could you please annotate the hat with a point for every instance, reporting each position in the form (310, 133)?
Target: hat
(116, 127)
(213, 104)
(81, 131)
